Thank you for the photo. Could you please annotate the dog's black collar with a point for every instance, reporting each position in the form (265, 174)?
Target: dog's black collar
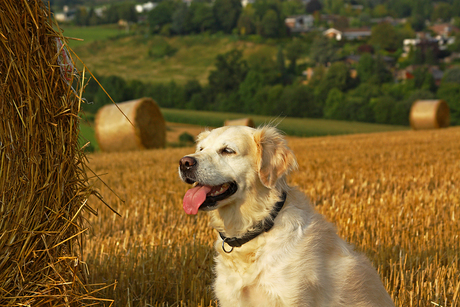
(261, 227)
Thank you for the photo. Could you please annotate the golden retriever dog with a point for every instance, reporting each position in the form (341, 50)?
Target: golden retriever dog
(273, 249)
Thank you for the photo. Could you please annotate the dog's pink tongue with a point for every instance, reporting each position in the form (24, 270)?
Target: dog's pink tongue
(194, 198)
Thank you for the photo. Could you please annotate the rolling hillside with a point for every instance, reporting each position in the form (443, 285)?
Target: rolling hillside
(107, 50)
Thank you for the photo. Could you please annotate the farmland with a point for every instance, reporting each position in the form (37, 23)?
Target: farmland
(394, 195)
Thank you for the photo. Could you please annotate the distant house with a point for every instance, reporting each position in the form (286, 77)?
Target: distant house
(299, 23)
(357, 7)
(353, 59)
(444, 30)
(410, 71)
(66, 15)
(356, 33)
(246, 2)
(146, 7)
(425, 41)
(333, 33)
(388, 19)
(349, 34)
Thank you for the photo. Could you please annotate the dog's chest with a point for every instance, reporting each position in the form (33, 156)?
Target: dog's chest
(253, 280)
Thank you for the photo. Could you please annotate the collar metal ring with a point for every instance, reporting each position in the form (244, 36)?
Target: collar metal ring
(223, 247)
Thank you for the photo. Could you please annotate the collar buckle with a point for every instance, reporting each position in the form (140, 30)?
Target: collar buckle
(223, 246)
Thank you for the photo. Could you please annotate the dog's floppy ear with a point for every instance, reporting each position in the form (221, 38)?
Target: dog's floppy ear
(275, 159)
(202, 136)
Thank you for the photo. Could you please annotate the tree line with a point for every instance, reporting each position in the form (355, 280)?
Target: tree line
(263, 17)
(267, 86)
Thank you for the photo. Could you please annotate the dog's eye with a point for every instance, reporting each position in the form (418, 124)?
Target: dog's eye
(227, 151)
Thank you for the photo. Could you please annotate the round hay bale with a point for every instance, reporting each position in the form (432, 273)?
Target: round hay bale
(115, 133)
(429, 114)
(240, 122)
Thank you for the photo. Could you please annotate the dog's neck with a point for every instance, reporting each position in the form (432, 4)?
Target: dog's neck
(239, 220)
(261, 227)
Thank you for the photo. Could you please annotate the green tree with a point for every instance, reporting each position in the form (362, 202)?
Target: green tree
(267, 66)
(298, 101)
(93, 19)
(450, 92)
(161, 15)
(137, 88)
(292, 7)
(333, 6)
(365, 67)
(442, 11)
(456, 8)
(429, 84)
(400, 8)
(271, 24)
(382, 107)
(295, 49)
(248, 89)
(117, 89)
(81, 16)
(246, 23)
(182, 19)
(203, 16)
(111, 14)
(227, 13)
(335, 107)
(359, 102)
(381, 74)
(380, 10)
(231, 70)
(267, 99)
(191, 88)
(358, 109)
(127, 12)
(323, 50)
(313, 6)
(452, 75)
(337, 76)
(417, 22)
(455, 46)
(281, 64)
(385, 36)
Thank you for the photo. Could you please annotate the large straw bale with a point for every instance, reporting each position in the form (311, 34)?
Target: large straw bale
(43, 182)
(429, 114)
(145, 128)
(240, 122)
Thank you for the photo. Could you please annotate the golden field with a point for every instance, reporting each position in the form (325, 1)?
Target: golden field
(395, 196)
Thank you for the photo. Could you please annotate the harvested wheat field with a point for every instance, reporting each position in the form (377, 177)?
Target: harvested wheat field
(395, 196)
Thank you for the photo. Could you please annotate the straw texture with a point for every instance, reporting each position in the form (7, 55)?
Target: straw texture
(43, 183)
(145, 129)
(240, 122)
(429, 114)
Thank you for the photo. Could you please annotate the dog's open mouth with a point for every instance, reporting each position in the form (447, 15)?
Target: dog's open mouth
(205, 197)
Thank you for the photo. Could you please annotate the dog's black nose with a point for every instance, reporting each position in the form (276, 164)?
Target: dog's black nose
(187, 163)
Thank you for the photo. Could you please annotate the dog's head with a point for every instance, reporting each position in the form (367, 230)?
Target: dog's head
(231, 162)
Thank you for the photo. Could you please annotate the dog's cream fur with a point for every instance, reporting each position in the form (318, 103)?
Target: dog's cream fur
(301, 261)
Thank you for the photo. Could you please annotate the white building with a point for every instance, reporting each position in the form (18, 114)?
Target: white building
(146, 7)
(299, 23)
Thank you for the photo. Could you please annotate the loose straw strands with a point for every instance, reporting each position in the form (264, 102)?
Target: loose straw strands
(43, 181)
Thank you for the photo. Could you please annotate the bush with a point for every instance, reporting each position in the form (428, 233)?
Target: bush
(186, 138)
(162, 49)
